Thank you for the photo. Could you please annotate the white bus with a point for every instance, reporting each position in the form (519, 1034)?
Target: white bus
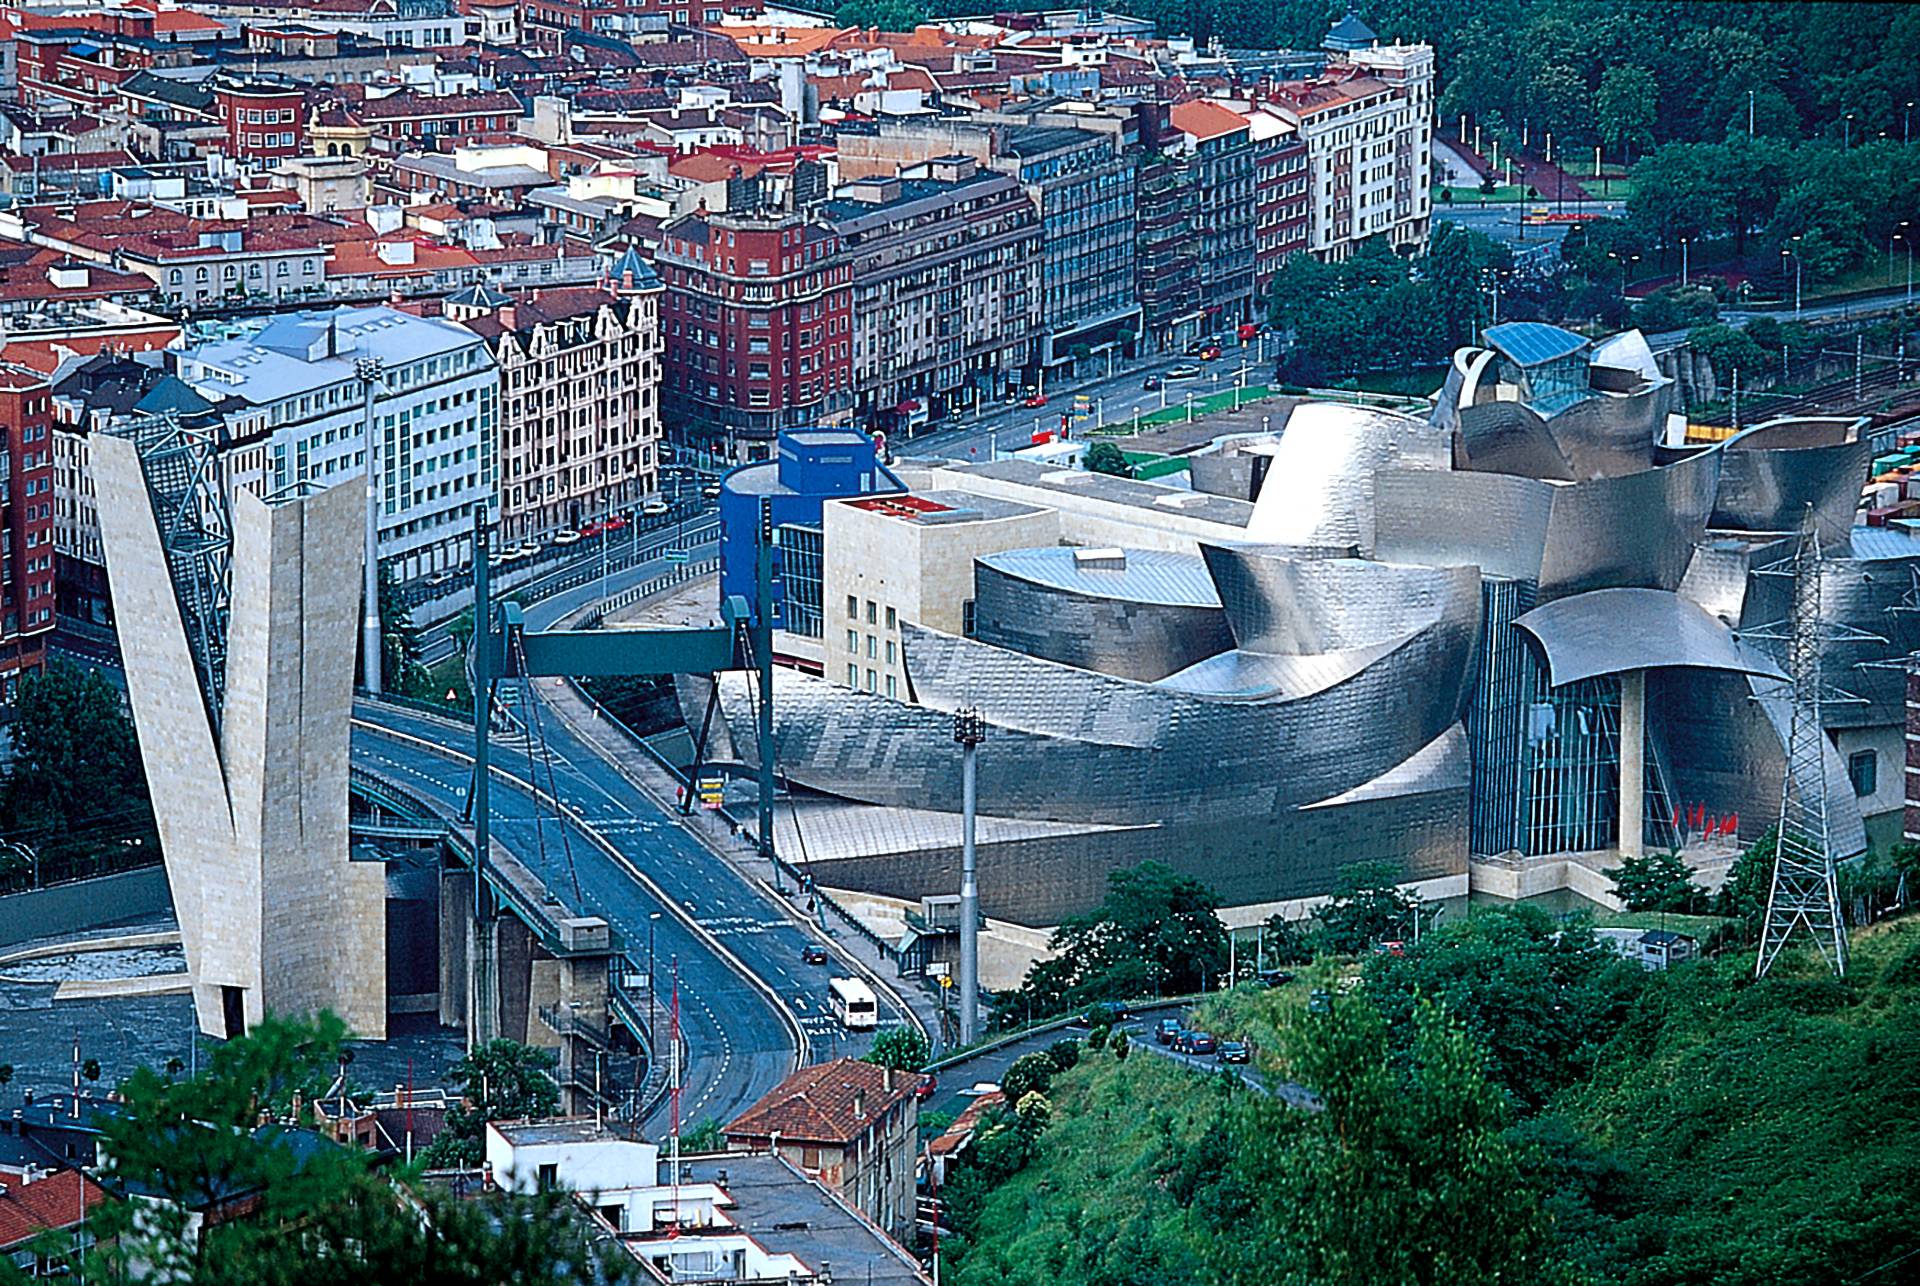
(853, 1003)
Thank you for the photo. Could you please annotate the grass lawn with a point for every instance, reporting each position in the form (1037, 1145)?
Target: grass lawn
(1174, 414)
(1422, 381)
(1505, 193)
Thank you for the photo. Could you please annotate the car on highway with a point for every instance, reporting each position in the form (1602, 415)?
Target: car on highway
(1183, 372)
(567, 537)
(1200, 1043)
(1151, 383)
(1037, 399)
(1104, 1014)
(814, 954)
(1180, 1038)
(1235, 1051)
(1165, 1030)
(655, 509)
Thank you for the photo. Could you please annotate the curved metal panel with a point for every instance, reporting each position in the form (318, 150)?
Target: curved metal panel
(1610, 631)
(1319, 489)
(1276, 600)
(1508, 437)
(1773, 473)
(1635, 530)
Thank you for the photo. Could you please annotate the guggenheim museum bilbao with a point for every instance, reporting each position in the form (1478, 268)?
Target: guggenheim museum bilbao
(1517, 637)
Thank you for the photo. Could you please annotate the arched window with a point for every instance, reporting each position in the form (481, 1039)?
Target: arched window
(200, 274)
(281, 271)
(173, 278)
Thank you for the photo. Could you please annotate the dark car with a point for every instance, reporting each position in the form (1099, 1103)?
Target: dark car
(1165, 1030)
(1105, 1014)
(1150, 383)
(1199, 1042)
(1275, 977)
(813, 953)
(1235, 1051)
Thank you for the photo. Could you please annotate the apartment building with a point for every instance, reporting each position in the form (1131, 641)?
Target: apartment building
(1367, 126)
(758, 327)
(579, 388)
(1223, 170)
(26, 539)
(946, 267)
(300, 395)
(1281, 196)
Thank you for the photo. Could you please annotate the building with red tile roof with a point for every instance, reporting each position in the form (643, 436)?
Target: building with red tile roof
(34, 1204)
(854, 1126)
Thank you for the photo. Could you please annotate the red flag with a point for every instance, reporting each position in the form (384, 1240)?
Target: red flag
(1733, 824)
(1713, 826)
(1676, 822)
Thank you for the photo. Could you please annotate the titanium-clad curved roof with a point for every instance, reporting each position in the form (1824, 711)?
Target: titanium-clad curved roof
(1774, 473)
(1319, 488)
(1279, 601)
(1637, 529)
(1154, 576)
(1136, 613)
(1612, 631)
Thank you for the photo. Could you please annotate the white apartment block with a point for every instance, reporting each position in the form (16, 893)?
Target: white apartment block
(1368, 128)
(298, 396)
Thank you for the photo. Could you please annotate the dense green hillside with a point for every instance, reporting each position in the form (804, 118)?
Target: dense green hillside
(1692, 1127)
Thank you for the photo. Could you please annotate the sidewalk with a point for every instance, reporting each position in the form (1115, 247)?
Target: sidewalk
(613, 742)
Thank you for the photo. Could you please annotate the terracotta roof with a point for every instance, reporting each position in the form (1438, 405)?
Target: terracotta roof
(29, 1209)
(815, 1104)
(960, 1133)
(408, 105)
(772, 41)
(1205, 120)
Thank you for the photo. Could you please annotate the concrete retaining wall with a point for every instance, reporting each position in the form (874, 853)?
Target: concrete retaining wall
(85, 904)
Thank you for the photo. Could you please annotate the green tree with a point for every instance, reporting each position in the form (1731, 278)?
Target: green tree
(1285, 942)
(887, 15)
(1156, 931)
(904, 1049)
(401, 670)
(1105, 457)
(1065, 1054)
(1657, 882)
(1743, 895)
(75, 789)
(1370, 907)
(1028, 1074)
(1405, 1174)
(1676, 308)
(318, 1214)
(707, 1136)
(1624, 109)
(1541, 997)
(1729, 349)
(501, 1080)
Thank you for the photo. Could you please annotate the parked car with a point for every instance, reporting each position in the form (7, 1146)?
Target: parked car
(928, 1084)
(1390, 947)
(1151, 383)
(567, 537)
(1201, 1043)
(1235, 1051)
(1180, 1039)
(1275, 977)
(1183, 372)
(1165, 1030)
(814, 954)
(1038, 399)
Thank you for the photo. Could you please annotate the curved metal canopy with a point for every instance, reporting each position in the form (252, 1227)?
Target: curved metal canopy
(1612, 631)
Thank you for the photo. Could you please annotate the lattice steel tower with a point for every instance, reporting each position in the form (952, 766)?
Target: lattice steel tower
(1804, 898)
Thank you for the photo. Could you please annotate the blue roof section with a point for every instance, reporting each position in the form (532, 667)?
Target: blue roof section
(1534, 343)
(1133, 575)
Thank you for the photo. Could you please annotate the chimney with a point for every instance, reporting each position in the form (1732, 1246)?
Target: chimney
(859, 1104)
(886, 1077)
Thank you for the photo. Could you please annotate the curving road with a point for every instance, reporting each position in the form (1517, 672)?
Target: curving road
(630, 859)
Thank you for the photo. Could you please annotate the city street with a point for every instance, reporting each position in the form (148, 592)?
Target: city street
(616, 841)
(1114, 398)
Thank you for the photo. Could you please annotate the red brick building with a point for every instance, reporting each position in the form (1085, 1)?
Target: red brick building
(26, 524)
(758, 328)
(264, 119)
(1280, 198)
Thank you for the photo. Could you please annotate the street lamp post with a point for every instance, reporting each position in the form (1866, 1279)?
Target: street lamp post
(1906, 124)
(1847, 136)
(1683, 261)
(969, 729)
(1797, 276)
